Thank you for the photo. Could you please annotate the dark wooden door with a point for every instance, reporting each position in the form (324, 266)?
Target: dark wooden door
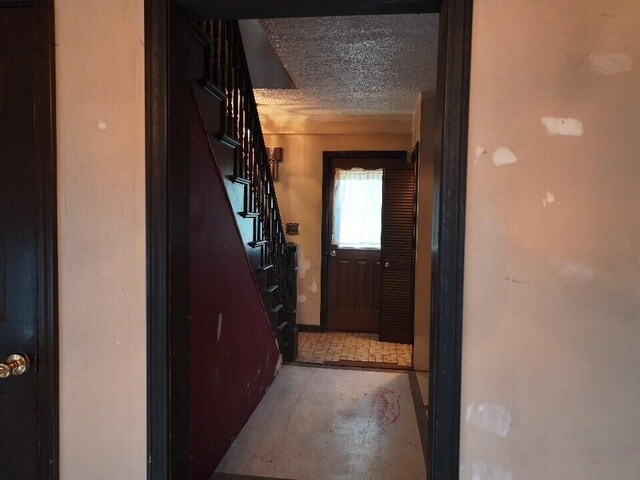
(352, 284)
(398, 253)
(26, 435)
(354, 290)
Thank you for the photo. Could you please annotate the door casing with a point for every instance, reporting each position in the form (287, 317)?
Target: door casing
(448, 244)
(391, 156)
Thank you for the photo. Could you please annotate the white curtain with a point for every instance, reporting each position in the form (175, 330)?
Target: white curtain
(357, 208)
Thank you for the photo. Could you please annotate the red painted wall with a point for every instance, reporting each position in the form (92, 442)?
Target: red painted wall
(234, 352)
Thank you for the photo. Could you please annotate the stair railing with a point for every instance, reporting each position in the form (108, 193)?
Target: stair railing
(229, 79)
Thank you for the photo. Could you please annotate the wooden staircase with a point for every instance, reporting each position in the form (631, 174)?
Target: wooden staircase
(224, 95)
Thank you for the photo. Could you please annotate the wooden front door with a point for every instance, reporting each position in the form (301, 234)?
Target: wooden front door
(27, 306)
(353, 238)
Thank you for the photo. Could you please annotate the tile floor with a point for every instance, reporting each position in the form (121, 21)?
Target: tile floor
(331, 423)
(337, 347)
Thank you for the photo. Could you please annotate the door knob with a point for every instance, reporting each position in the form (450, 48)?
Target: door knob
(14, 365)
(387, 264)
(333, 253)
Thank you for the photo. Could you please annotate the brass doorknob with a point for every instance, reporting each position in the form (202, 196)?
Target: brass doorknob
(14, 365)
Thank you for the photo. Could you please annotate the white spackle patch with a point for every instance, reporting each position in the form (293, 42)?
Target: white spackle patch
(304, 264)
(610, 63)
(302, 298)
(480, 151)
(504, 156)
(219, 326)
(571, 272)
(549, 199)
(568, 127)
(483, 471)
(102, 125)
(314, 285)
(490, 418)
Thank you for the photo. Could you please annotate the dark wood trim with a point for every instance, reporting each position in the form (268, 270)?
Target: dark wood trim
(448, 261)
(454, 65)
(156, 97)
(358, 366)
(310, 328)
(19, 3)
(232, 9)
(45, 154)
(421, 414)
(327, 158)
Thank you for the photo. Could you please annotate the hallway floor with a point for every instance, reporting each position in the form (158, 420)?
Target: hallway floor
(352, 348)
(326, 423)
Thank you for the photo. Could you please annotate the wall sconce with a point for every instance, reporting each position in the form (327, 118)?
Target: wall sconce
(274, 155)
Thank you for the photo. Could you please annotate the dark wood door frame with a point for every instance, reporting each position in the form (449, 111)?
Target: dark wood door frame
(327, 158)
(166, 352)
(46, 186)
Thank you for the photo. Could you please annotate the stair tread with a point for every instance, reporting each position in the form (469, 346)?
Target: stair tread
(229, 141)
(265, 268)
(250, 214)
(271, 289)
(238, 179)
(258, 243)
(277, 308)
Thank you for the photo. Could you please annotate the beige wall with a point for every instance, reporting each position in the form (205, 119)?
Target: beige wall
(300, 186)
(425, 132)
(552, 280)
(101, 209)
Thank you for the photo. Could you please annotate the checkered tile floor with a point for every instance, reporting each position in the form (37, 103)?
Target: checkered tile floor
(331, 347)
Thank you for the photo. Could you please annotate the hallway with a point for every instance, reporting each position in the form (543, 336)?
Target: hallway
(319, 423)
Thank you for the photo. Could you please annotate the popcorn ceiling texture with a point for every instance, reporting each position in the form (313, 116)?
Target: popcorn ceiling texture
(357, 65)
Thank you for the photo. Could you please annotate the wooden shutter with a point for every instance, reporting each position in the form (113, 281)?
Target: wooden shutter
(398, 253)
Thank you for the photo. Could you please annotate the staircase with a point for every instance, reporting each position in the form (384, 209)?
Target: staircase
(227, 106)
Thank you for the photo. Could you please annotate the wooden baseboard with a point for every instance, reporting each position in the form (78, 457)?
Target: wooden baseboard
(310, 328)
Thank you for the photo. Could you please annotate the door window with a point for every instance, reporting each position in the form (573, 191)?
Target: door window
(357, 208)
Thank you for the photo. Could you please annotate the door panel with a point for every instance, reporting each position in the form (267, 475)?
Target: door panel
(398, 254)
(354, 301)
(25, 142)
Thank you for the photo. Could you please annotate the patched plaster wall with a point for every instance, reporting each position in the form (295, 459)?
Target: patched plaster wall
(101, 239)
(552, 273)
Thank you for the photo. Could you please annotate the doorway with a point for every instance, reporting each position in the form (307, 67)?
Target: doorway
(368, 251)
(28, 297)
(448, 245)
(361, 212)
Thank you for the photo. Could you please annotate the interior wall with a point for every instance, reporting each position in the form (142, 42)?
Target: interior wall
(234, 355)
(552, 269)
(101, 232)
(299, 187)
(425, 132)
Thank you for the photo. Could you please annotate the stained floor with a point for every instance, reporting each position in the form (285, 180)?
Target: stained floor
(343, 347)
(320, 423)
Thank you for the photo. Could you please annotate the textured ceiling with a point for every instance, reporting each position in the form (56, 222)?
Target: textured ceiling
(361, 65)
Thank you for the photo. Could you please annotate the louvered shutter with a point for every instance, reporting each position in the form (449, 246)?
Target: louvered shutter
(398, 253)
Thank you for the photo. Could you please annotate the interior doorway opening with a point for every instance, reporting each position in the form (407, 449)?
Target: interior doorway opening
(368, 268)
(456, 18)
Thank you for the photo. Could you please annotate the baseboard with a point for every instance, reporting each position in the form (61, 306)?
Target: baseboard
(310, 328)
